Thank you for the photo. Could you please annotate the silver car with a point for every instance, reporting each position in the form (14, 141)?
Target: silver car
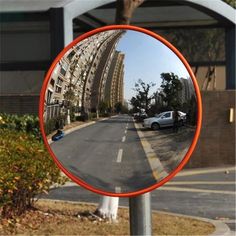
(164, 119)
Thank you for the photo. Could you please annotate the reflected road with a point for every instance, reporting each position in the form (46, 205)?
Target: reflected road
(107, 155)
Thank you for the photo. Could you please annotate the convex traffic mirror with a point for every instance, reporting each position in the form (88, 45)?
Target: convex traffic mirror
(120, 111)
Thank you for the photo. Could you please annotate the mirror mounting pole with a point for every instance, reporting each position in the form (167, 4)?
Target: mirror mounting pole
(140, 215)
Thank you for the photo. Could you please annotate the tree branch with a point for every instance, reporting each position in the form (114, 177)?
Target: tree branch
(125, 10)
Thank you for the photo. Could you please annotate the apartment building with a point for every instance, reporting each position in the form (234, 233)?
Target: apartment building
(83, 70)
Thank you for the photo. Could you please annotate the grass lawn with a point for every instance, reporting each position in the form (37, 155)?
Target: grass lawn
(56, 218)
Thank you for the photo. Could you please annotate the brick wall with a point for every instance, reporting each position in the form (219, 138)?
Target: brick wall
(216, 145)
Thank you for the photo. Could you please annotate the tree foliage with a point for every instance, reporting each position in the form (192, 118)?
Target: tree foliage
(69, 96)
(199, 45)
(118, 107)
(143, 98)
(171, 86)
(103, 108)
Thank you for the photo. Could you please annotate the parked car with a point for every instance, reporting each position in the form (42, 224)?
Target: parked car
(140, 116)
(58, 135)
(164, 119)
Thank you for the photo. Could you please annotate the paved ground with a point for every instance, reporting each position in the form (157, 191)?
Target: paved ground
(206, 193)
(107, 155)
(129, 157)
(170, 147)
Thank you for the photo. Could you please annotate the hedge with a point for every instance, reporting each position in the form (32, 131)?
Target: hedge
(54, 124)
(26, 169)
(25, 123)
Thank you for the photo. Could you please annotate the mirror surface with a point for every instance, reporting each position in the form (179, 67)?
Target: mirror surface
(120, 111)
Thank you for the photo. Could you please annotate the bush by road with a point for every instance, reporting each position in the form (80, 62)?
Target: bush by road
(26, 169)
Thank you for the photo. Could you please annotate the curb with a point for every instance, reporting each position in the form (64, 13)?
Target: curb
(158, 170)
(205, 170)
(221, 228)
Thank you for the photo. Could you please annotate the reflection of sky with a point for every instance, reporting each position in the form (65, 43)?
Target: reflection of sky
(146, 58)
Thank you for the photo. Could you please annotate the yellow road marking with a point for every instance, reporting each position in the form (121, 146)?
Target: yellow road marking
(205, 171)
(195, 190)
(156, 166)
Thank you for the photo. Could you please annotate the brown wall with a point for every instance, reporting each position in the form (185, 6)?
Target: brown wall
(216, 145)
(19, 104)
(220, 83)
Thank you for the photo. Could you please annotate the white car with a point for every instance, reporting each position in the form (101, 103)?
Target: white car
(164, 119)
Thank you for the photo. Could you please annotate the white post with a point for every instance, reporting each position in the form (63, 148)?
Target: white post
(108, 207)
(68, 117)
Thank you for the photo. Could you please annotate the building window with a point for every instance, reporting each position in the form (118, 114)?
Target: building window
(58, 89)
(52, 82)
(59, 81)
(70, 56)
(49, 95)
(63, 71)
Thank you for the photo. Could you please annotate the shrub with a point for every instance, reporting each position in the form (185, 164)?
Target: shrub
(92, 116)
(83, 117)
(25, 123)
(26, 169)
(105, 114)
(54, 124)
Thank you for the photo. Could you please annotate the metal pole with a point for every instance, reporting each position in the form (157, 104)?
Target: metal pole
(140, 215)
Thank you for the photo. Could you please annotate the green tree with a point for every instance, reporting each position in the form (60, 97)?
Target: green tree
(171, 86)
(103, 107)
(135, 104)
(142, 99)
(118, 107)
(69, 96)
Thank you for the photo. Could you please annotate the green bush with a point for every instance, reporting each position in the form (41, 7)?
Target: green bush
(54, 124)
(105, 114)
(92, 116)
(25, 123)
(26, 169)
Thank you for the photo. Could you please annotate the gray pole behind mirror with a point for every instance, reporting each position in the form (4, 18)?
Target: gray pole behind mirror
(140, 215)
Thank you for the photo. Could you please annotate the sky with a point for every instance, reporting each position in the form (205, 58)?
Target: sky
(146, 58)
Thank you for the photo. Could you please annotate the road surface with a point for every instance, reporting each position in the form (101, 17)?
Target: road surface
(107, 155)
(208, 193)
